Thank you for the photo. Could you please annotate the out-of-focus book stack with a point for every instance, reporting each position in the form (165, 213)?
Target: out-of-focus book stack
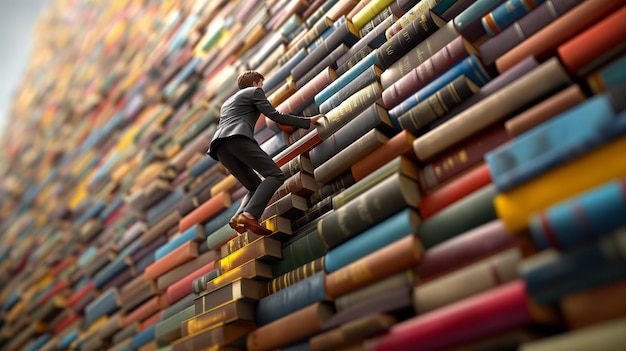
(464, 192)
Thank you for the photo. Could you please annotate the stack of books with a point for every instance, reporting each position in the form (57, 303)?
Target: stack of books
(464, 192)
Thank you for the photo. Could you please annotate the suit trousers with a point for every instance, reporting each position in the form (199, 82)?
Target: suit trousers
(242, 157)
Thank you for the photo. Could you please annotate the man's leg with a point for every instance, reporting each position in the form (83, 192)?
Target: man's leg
(242, 156)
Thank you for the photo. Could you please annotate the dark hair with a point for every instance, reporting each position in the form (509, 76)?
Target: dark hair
(247, 78)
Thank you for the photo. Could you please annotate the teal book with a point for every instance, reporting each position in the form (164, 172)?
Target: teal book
(471, 67)
(551, 143)
(105, 304)
(195, 232)
(290, 299)
(384, 233)
(339, 83)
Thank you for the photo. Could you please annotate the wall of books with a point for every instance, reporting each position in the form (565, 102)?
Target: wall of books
(466, 190)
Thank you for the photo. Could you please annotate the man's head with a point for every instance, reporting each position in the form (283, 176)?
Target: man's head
(250, 79)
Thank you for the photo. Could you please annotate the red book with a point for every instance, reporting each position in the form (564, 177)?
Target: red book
(595, 46)
(497, 310)
(79, 294)
(183, 287)
(184, 253)
(544, 43)
(302, 146)
(454, 190)
(205, 211)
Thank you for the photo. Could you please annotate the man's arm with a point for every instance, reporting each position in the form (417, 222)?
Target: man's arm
(270, 112)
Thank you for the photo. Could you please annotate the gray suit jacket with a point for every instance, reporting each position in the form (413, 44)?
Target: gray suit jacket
(240, 113)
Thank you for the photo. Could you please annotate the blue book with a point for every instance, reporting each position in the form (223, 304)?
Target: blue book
(369, 60)
(275, 144)
(320, 13)
(87, 255)
(551, 274)
(165, 204)
(201, 166)
(391, 229)
(585, 217)
(105, 304)
(182, 34)
(470, 67)
(325, 34)
(143, 337)
(506, 13)
(283, 72)
(38, 343)
(221, 219)
(11, 300)
(181, 76)
(113, 206)
(563, 137)
(468, 22)
(68, 340)
(108, 272)
(370, 75)
(195, 232)
(291, 299)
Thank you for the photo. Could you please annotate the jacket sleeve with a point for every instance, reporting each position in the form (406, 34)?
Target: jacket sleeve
(261, 102)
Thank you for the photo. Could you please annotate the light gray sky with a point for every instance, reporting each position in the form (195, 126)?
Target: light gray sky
(17, 19)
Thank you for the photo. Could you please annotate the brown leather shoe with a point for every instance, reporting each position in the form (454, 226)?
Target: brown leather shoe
(252, 225)
(240, 228)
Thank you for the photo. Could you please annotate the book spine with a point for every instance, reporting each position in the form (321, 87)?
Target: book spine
(390, 259)
(504, 308)
(467, 281)
(363, 212)
(296, 275)
(398, 45)
(539, 82)
(400, 144)
(470, 67)
(511, 164)
(184, 253)
(473, 210)
(301, 251)
(605, 42)
(436, 105)
(461, 157)
(561, 226)
(557, 32)
(454, 190)
(468, 22)
(264, 249)
(395, 227)
(405, 20)
(515, 206)
(505, 14)
(543, 111)
(366, 78)
(291, 299)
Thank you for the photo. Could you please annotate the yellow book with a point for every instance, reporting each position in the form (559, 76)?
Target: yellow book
(369, 11)
(592, 169)
(229, 182)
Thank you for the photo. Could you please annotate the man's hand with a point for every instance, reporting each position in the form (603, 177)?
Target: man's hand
(315, 118)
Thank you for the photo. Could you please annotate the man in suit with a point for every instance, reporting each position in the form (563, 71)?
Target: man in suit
(233, 144)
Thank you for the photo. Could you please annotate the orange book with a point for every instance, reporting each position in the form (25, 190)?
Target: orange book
(393, 258)
(143, 312)
(595, 46)
(593, 306)
(544, 43)
(204, 212)
(289, 329)
(184, 253)
(400, 144)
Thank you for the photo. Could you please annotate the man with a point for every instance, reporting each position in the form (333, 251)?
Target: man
(235, 147)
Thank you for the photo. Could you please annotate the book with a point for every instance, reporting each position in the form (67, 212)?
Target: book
(291, 299)
(505, 163)
(593, 306)
(605, 77)
(545, 42)
(437, 104)
(544, 110)
(603, 48)
(228, 312)
(375, 116)
(344, 159)
(473, 210)
(303, 324)
(398, 145)
(370, 75)
(470, 67)
(469, 22)
(505, 14)
(442, 44)
(297, 274)
(395, 227)
(354, 331)
(500, 309)
(523, 28)
(455, 189)
(392, 258)
(602, 335)
(381, 201)
(466, 281)
(515, 206)
(561, 226)
(548, 274)
(264, 249)
(225, 337)
(540, 81)
(410, 36)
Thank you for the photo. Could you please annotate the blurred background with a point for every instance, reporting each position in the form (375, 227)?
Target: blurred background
(17, 18)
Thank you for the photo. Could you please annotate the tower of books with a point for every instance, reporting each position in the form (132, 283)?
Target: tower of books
(466, 189)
